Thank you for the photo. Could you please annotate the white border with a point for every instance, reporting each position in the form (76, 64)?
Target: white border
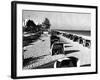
(36, 72)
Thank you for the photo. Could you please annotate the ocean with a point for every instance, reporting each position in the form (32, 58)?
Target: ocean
(79, 32)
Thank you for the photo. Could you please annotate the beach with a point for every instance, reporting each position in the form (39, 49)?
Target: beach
(39, 54)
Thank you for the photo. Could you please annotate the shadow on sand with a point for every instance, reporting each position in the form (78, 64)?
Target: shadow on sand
(32, 60)
(71, 51)
(67, 46)
(31, 38)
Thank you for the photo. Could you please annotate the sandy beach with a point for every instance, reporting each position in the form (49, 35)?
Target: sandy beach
(39, 52)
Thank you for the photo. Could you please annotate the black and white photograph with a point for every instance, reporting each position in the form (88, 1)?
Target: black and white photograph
(55, 39)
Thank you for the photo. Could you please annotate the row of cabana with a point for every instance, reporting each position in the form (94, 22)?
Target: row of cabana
(86, 42)
(57, 48)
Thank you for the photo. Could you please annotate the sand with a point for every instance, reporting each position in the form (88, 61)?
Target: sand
(42, 48)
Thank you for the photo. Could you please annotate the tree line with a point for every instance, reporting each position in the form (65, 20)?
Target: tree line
(31, 27)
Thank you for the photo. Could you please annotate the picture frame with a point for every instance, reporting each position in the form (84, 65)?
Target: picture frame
(25, 60)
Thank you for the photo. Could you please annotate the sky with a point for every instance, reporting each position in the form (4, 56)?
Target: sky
(60, 20)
